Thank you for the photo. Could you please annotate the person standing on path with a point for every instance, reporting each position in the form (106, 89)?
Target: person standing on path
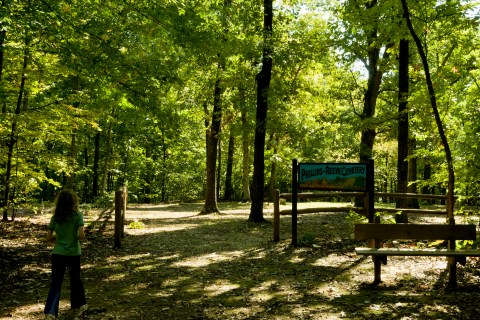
(67, 225)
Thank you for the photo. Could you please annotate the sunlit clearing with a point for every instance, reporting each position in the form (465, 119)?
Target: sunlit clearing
(174, 282)
(130, 258)
(220, 287)
(296, 259)
(116, 277)
(165, 228)
(205, 260)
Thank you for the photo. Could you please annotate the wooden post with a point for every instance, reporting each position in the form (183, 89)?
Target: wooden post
(294, 201)
(370, 185)
(276, 215)
(118, 218)
(124, 209)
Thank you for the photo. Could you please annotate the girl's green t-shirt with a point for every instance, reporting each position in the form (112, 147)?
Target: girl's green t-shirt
(67, 242)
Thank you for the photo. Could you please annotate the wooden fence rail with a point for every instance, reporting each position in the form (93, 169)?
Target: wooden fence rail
(317, 195)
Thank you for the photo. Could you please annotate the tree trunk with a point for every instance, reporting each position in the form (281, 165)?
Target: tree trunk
(108, 153)
(212, 135)
(73, 156)
(370, 98)
(219, 168)
(273, 170)
(263, 84)
(148, 173)
(96, 159)
(229, 193)
(246, 160)
(412, 173)
(13, 132)
(438, 120)
(3, 37)
(402, 139)
(86, 182)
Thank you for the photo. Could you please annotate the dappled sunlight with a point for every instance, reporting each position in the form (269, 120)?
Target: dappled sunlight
(220, 287)
(207, 259)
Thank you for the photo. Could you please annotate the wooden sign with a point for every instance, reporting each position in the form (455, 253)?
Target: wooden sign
(333, 176)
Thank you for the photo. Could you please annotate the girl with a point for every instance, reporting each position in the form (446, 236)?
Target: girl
(67, 223)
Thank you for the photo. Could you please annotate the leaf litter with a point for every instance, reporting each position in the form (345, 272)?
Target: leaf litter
(176, 264)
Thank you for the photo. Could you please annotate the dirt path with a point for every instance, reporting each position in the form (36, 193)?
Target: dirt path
(175, 264)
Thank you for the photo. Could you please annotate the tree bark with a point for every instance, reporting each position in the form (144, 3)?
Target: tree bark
(96, 159)
(263, 84)
(229, 193)
(438, 120)
(246, 160)
(108, 154)
(412, 173)
(13, 132)
(402, 138)
(212, 134)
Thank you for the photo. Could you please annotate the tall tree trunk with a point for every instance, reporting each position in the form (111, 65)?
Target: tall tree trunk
(246, 160)
(402, 138)
(219, 168)
(212, 134)
(263, 85)
(96, 160)
(412, 173)
(148, 173)
(273, 170)
(438, 120)
(86, 185)
(164, 168)
(72, 162)
(3, 37)
(108, 154)
(213, 131)
(229, 194)
(13, 132)
(368, 134)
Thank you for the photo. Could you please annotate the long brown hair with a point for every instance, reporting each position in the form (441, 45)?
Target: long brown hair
(67, 205)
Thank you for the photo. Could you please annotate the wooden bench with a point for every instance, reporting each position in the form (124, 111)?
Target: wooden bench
(375, 233)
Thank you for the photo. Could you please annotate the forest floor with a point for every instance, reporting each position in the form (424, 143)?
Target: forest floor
(177, 264)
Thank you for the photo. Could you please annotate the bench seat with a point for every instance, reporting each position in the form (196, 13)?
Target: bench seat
(416, 252)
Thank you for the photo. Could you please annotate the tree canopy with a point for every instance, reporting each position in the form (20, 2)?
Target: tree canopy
(96, 95)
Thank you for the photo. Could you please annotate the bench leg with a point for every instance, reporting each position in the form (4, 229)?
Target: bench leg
(452, 272)
(377, 267)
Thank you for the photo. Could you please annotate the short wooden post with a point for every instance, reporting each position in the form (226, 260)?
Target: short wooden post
(124, 209)
(118, 218)
(276, 215)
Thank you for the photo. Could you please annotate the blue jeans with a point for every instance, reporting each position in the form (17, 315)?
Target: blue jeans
(77, 292)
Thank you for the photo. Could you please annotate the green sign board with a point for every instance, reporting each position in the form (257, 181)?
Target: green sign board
(333, 176)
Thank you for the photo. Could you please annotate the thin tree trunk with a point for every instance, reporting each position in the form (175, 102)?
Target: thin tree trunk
(402, 138)
(3, 37)
(13, 132)
(219, 168)
(108, 153)
(412, 173)
(263, 85)
(86, 185)
(228, 176)
(148, 173)
(246, 160)
(96, 160)
(438, 120)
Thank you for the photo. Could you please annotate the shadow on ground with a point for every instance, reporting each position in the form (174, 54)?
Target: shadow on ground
(181, 265)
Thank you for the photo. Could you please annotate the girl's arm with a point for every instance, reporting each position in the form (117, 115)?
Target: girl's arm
(81, 232)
